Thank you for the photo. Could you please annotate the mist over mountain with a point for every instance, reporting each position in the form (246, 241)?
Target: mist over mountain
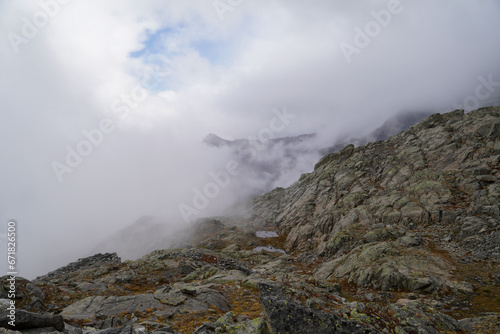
(375, 235)
(392, 126)
(264, 165)
(143, 236)
(363, 133)
(270, 163)
(105, 104)
(274, 162)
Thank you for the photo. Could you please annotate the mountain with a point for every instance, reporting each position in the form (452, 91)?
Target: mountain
(265, 164)
(243, 144)
(396, 236)
(274, 162)
(382, 215)
(392, 126)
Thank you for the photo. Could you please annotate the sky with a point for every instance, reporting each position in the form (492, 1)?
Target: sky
(104, 104)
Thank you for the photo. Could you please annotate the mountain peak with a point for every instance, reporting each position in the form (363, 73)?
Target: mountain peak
(214, 140)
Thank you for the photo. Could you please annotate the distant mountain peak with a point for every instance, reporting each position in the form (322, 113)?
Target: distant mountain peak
(216, 141)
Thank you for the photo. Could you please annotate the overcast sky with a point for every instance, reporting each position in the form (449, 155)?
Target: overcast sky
(148, 80)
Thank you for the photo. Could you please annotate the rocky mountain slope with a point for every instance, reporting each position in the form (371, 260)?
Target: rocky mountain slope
(397, 236)
(433, 186)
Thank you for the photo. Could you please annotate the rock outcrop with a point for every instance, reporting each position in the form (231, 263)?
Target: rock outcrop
(366, 210)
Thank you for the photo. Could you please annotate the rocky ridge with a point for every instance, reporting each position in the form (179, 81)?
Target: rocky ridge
(384, 214)
(397, 236)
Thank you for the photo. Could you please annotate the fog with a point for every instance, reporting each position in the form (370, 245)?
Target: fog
(105, 104)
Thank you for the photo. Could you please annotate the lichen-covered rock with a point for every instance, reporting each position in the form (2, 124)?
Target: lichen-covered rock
(30, 320)
(229, 323)
(420, 318)
(28, 295)
(381, 266)
(287, 316)
(442, 174)
(95, 306)
(489, 323)
(97, 261)
(168, 301)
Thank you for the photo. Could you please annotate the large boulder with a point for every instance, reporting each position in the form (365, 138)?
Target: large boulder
(161, 305)
(382, 266)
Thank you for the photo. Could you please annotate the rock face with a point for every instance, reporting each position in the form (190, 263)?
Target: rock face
(88, 263)
(365, 209)
(398, 236)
